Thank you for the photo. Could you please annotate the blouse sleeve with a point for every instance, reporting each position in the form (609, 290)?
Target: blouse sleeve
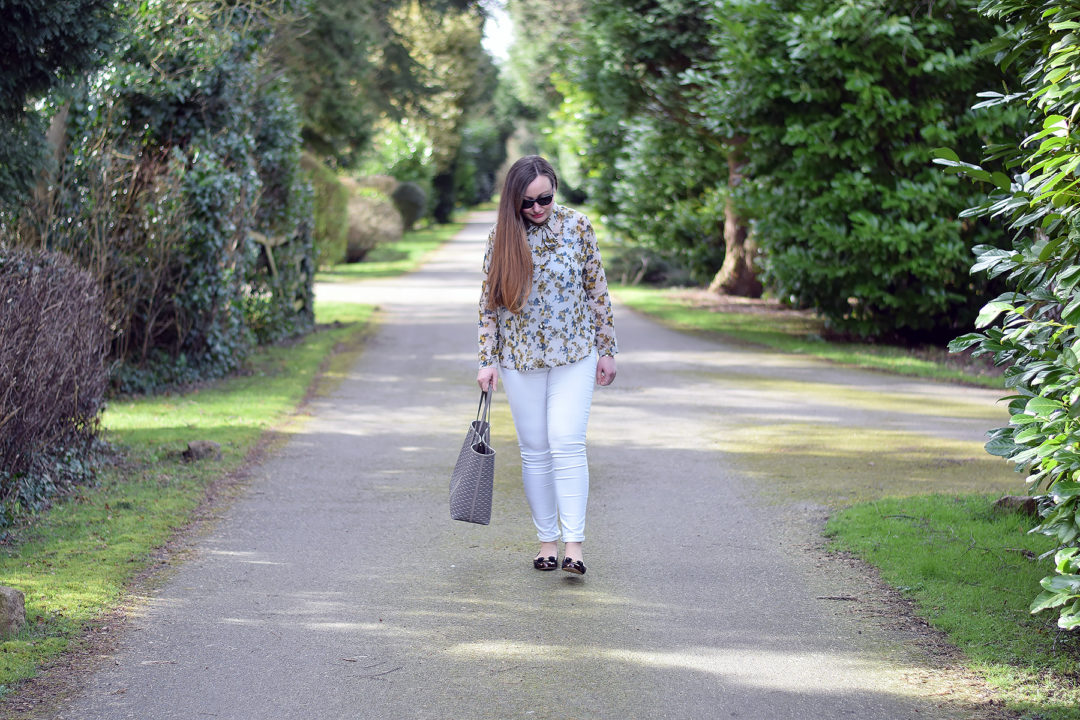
(596, 289)
(488, 327)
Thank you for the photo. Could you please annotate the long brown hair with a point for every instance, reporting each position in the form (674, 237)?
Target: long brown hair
(510, 270)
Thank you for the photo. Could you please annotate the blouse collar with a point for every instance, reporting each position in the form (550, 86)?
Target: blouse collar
(552, 227)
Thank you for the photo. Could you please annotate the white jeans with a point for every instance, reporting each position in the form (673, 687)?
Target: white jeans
(551, 411)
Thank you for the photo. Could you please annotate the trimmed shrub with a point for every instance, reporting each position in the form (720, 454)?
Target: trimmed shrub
(331, 207)
(383, 183)
(53, 345)
(411, 201)
(373, 220)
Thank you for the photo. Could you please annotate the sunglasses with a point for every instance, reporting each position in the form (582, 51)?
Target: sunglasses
(543, 201)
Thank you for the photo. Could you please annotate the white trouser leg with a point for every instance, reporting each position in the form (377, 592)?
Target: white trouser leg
(551, 413)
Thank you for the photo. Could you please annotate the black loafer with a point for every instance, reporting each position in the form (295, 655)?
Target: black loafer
(573, 566)
(545, 563)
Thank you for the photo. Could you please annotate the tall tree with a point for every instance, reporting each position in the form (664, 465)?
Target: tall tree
(42, 44)
(804, 127)
(538, 91)
(841, 104)
(658, 170)
(327, 54)
(452, 72)
(352, 62)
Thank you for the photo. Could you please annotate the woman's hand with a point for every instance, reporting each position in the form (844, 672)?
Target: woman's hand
(488, 378)
(605, 370)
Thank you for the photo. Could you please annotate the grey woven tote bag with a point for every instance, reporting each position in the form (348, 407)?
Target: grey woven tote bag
(474, 473)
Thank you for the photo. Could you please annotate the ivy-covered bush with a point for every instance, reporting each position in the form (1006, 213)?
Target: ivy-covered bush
(53, 375)
(180, 190)
(1034, 328)
(279, 297)
(330, 201)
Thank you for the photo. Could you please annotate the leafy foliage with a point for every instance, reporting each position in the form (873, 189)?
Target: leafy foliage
(654, 171)
(43, 43)
(404, 152)
(180, 191)
(805, 127)
(327, 54)
(1034, 329)
(665, 194)
(482, 151)
(538, 87)
(330, 202)
(53, 342)
(454, 73)
(852, 219)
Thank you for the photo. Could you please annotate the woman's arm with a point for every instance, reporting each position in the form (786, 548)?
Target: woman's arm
(596, 289)
(487, 330)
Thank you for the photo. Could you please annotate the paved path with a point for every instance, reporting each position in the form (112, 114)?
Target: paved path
(337, 587)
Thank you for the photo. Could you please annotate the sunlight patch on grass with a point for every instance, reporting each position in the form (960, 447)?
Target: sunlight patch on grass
(834, 465)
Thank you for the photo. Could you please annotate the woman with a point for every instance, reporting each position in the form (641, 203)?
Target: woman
(546, 327)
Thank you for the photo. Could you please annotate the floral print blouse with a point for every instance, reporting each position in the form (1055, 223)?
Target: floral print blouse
(568, 311)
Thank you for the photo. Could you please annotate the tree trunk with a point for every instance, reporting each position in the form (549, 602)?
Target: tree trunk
(33, 223)
(443, 184)
(737, 275)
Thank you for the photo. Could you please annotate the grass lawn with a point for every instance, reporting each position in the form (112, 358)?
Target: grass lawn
(972, 572)
(76, 562)
(797, 333)
(389, 260)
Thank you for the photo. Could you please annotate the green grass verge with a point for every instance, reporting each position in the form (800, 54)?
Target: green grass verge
(972, 573)
(795, 334)
(390, 260)
(76, 562)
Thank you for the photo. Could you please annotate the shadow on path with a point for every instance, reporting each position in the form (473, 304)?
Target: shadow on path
(337, 587)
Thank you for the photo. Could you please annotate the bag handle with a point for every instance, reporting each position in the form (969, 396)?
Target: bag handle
(485, 408)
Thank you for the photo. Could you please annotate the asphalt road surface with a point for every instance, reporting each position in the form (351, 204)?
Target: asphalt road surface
(336, 586)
